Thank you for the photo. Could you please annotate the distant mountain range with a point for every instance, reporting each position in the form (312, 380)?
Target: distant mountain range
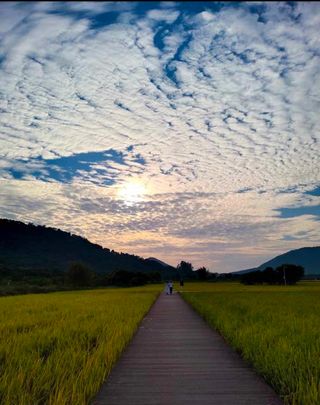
(27, 247)
(308, 257)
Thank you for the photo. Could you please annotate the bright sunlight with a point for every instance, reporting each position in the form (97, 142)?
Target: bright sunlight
(132, 191)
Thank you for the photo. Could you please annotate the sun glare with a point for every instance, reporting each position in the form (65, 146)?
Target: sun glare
(132, 191)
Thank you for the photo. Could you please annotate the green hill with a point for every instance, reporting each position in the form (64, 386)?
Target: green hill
(307, 257)
(27, 248)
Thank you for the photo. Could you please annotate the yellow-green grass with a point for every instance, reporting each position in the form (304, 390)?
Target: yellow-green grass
(275, 328)
(58, 348)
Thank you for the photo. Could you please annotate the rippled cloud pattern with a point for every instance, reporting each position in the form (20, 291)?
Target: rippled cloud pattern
(213, 106)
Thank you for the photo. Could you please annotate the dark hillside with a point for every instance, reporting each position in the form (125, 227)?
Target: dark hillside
(27, 247)
(307, 257)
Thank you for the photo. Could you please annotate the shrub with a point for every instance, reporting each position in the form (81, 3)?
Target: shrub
(79, 274)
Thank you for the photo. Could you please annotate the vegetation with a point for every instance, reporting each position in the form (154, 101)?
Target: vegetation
(203, 274)
(275, 328)
(27, 248)
(282, 275)
(307, 257)
(79, 274)
(129, 278)
(58, 348)
(184, 270)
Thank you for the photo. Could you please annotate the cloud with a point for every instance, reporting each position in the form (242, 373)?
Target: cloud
(167, 16)
(214, 109)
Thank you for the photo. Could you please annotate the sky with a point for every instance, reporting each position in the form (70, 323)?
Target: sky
(176, 130)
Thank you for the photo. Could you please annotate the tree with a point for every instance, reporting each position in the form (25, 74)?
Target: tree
(119, 278)
(203, 273)
(254, 277)
(214, 276)
(79, 274)
(185, 270)
(289, 273)
(284, 274)
(269, 276)
(154, 277)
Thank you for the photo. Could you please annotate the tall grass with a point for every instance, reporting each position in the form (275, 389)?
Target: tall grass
(276, 329)
(58, 348)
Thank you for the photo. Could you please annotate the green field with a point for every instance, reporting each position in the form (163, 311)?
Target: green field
(276, 329)
(58, 348)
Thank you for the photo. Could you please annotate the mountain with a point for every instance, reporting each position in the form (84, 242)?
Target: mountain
(308, 257)
(168, 272)
(153, 259)
(240, 272)
(27, 247)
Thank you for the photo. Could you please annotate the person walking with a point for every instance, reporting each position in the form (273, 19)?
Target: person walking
(167, 288)
(170, 287)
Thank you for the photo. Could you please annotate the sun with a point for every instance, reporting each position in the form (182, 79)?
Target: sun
(132, 191)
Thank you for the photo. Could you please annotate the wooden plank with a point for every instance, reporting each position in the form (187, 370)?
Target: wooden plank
(175, 358)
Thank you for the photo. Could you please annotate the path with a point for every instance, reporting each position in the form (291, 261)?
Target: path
(177, 359)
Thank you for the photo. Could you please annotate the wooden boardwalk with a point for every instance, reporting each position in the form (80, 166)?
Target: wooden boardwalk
(177, 359)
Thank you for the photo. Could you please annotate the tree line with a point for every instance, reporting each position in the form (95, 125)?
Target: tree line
(80, 274)
(185, 270)
(286, 274)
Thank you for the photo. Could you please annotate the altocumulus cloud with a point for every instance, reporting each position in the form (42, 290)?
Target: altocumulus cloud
(212, 106)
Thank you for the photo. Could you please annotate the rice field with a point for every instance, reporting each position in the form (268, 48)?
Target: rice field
(275, 328)
(58, 348)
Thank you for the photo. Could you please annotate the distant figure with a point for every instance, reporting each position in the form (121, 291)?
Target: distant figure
(170, 286)
(167, 288)
(181, 282)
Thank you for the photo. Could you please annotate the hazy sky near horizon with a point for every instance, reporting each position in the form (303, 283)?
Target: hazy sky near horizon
(179, 130)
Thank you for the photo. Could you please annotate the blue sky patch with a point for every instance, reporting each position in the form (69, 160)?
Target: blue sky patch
(297, 212)
(315, 192)
(65, 169)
